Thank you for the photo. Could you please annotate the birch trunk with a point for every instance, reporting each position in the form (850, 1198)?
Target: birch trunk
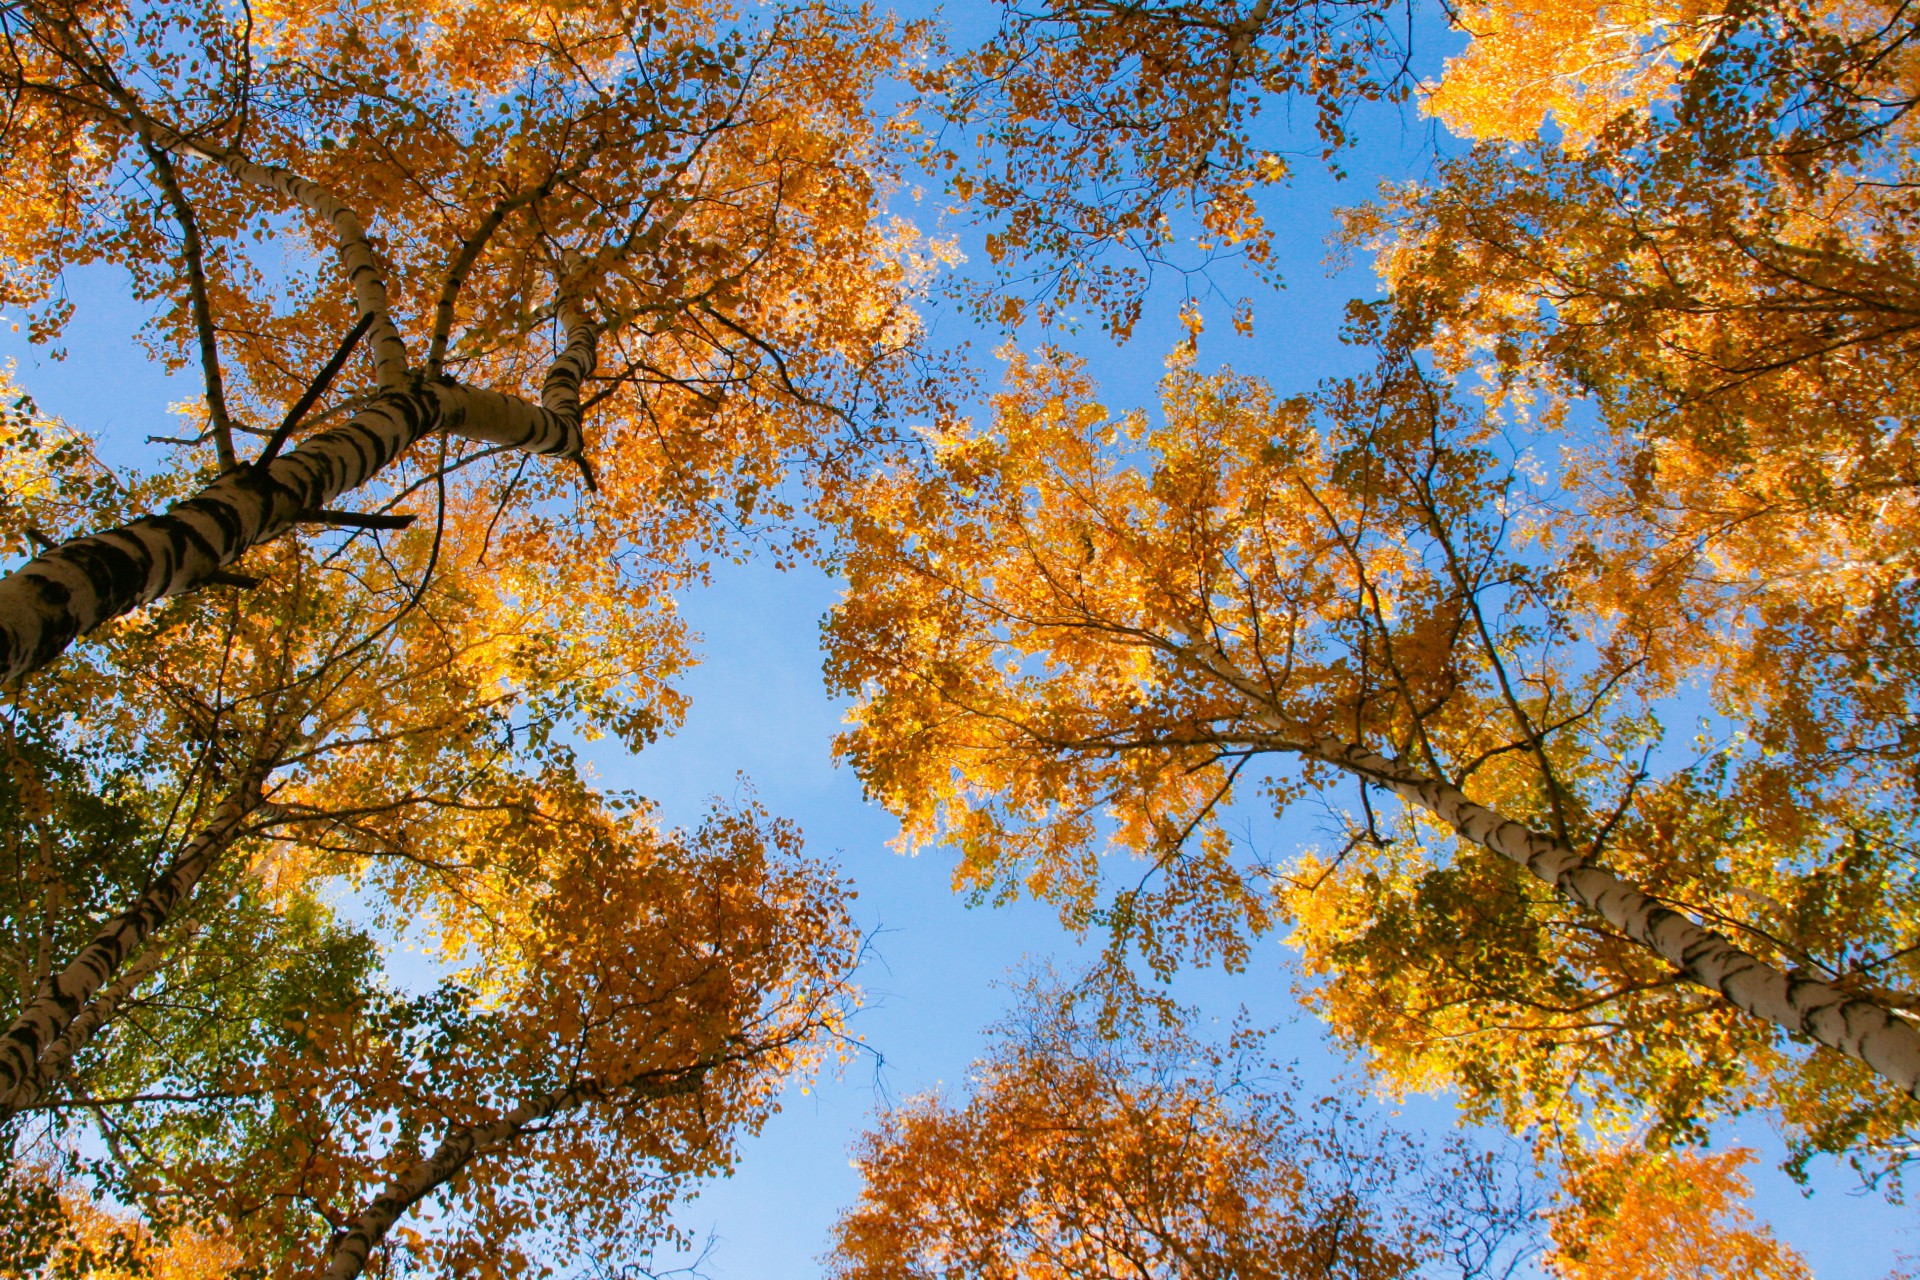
(68, 590)
(1803, 1005)
(62, 998)
(351, 245)
(57, 1057)
(370, 1226)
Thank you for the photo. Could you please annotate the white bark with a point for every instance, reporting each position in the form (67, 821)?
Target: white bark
(371, 1225)
(58, 1056)
(72, 588)
(355, 250)
(1798, 1003)
(556, 432)
(65, 995)
(1801, 1004)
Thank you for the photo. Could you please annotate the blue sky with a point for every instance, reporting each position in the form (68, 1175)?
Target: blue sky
(759, 712)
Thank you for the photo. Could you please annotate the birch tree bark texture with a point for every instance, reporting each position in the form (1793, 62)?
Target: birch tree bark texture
(68, 590)
(1033, 637)
(67, 995)
(1797, 1002)
(1800, 1004)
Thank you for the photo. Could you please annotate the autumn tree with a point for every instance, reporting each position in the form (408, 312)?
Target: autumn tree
(184, 795)
(356, 223)
(1637, 430)
(1718, 274)
(1700, 245)
(361, 715)
(1071, 631)
(1098, 1139)
(686, 201)
(572, 1087)
(1066, 630)
(666, 172)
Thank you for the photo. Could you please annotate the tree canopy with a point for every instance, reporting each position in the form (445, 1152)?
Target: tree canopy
(1578, 609)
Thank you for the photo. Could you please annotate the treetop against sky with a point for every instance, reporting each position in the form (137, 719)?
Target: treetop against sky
(1506, 638)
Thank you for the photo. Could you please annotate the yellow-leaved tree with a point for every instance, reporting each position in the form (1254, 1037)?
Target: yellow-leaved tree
(663, 219)
(1072, 635)
(1587, 612)
(185, 798)
(506, 317)
(1101, 145)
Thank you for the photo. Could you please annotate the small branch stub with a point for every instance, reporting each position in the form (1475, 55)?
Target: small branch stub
(356, 519)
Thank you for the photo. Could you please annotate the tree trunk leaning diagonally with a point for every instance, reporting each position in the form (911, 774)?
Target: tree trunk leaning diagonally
(1803, 1005)
(65, 996)
(70, 589)
(57, 1057)
(1796, 1002)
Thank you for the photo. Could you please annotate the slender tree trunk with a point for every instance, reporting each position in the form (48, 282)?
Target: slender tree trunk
(72, 588)
(1800, 1004)
(65, 996)
(1803, 1005)
(370, 1226)
(351, 245)
(58, 1056)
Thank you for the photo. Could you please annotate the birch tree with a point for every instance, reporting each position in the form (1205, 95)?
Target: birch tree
(1074, 632)
(362, 704)
(657, 188)
(569, 1088)
(1719, 276)
(1674, 274)
(411, 256)
(387, 718)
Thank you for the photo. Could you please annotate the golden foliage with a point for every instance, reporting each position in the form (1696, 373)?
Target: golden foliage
(668, 987)
(1076, 638)
(1637, 1215)
(706, 183)
(1581, 62)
